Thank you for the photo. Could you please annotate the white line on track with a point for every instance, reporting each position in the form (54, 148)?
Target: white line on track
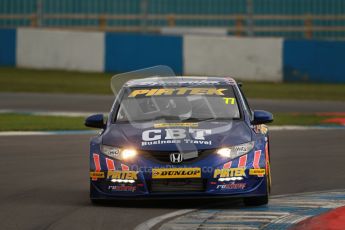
(149, 224)
(156, 220)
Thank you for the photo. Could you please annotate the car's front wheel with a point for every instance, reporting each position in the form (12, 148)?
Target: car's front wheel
(256, 200)
(260, 200)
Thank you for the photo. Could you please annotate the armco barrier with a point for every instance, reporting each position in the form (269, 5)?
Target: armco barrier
(57, 49)
(127, 52)
(254, 59)
(314, 61)
(7, 47)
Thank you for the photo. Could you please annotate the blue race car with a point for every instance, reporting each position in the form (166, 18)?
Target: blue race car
(179, 137)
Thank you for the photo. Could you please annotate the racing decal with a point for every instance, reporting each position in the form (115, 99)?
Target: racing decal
(175, 136)
(177, 83)
(96, 162)
(231, 172)
(231, 186)
(268, 170)
(227, 165)
(176, 173)
(263, 129)
(124, 167)
(96, 175)
(257, 172)
(256, 161)
(266, 152)
(229, 100)
(110, 164)
(176, 91)
(242, 162)
(169, 125)
(122, 188)
(123, 175)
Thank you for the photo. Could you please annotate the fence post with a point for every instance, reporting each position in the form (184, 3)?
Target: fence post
(102, 22)
(33, 20)
(239, 26)
(308, 27)
(143, 10)
(39, 14)
(250, 22)
(171, 20)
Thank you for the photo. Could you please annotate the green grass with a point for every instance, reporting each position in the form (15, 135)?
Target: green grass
(20, 122)
(52, 81)
(299, 91)
(299, 119)
(23, 122)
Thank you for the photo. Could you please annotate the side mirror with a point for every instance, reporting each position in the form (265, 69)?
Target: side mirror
(95, 121)
(262, 117)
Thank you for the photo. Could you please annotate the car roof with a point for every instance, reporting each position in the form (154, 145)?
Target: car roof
(180, 81)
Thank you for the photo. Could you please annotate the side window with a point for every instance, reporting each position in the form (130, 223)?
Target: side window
(246, 104)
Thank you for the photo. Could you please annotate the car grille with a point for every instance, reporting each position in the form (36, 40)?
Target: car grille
(164, 156)
(177, 185)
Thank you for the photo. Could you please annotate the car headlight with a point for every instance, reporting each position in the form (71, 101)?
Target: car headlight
(236, 151)
(118, 153)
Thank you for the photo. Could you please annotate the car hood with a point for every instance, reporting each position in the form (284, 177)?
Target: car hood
(177, 136)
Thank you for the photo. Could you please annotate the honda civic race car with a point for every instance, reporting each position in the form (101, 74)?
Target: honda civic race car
(177, 137)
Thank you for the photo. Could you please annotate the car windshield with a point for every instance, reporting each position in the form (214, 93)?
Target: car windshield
(189, 103)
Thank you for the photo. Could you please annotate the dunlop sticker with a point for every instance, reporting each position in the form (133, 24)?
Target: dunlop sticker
(176, 173)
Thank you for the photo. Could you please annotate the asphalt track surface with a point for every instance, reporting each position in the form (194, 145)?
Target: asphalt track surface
(102, 103)
(44, 180)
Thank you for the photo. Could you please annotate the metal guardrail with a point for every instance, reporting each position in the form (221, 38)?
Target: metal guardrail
(238, 27)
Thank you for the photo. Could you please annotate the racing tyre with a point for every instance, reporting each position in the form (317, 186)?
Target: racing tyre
(96, 201)
(259, 200)
(256, 201)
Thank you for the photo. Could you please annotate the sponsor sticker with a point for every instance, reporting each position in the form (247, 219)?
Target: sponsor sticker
(122, 188)
(97, 175)
(232, 172)
(231, 186)
(176, 173)
(176, 91)
(168, 125)
(124, 175)
(257, 172)
(176, 136)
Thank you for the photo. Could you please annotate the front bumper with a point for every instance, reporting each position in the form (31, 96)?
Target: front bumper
(146, 187)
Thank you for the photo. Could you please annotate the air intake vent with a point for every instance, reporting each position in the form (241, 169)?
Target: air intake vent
(177, 185)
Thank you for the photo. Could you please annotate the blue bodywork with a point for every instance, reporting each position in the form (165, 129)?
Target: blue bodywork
(232, 133)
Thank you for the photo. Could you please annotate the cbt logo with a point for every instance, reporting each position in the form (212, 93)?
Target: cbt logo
(175, 136)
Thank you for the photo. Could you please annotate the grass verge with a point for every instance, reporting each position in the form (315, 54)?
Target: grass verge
(23, 122)
(20, 122)
(301, 119)
(52, 81)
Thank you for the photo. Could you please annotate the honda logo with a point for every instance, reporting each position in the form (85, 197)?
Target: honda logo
(176, 157)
